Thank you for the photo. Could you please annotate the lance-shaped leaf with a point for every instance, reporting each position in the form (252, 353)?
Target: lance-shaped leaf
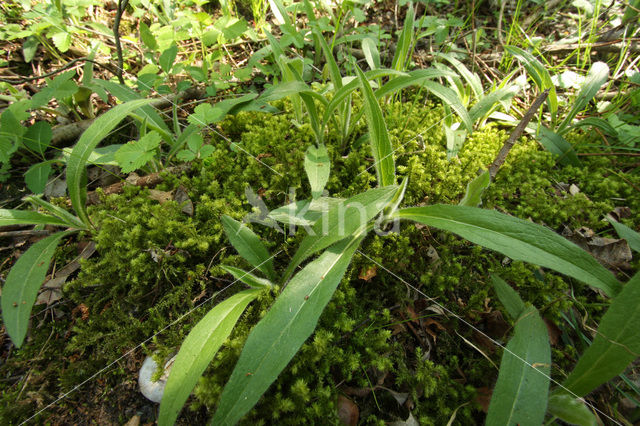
(571, 410)
(280, 334)
(23, 282)
(508, 297)
(520, 395)
(26, 217)
(616, 344)
(304, 212)
(197, 351)
(70, 219)
(247, 277)
(598, 75)
(518, 239)
(475, 188)
(317, 166)
(381, 147)
(76, 165)
(249, 246)
(342, 220)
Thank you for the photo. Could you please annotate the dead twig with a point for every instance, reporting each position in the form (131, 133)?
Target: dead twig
(517, 132)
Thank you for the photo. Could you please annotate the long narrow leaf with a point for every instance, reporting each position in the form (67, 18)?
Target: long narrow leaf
(280, 334)
(413, 78)
(197, 351)
(76, 165)
(508, 297)
(616, 344)
(334, 71)
(556, 144)
(403, 47)
(632, 237)
(598, 75)
(381, 147)
(450, 98)
(472, 79)
(247, 277)
(249, 246)
(520, 395)
(518, 239)
(475, 188)
(23, 282)
(70, 219)
(539, 74)
(26, 217)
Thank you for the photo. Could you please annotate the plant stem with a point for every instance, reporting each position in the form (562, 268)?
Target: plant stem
(122, 5)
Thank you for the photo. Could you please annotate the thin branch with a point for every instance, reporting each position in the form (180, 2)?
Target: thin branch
(517, 132)
(122, 5)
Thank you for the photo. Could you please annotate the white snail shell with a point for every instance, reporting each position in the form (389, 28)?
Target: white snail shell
(153, 390)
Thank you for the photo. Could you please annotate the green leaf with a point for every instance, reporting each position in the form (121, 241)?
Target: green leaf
(508, 297)
(401, 53)
(539, 74)
(305, 212)
(342, 220)
(282, 331)
(23, 282)
(371, 53)
(168, 57)
(381, 147)
(632, 237)
(616, 344)
(283, 90)
(571, 410)
(598, 75)
(450, 98)
(62, 41)
(60, 87)
(38, 137)
(197, 351)
(334, 71)
(472, 79)
(485, 105)
(29, 48)
(76, 165)
(520, 394)
(556, 144)
(37, 176)
(26, 217)
(518, 239)
(125, 94)
(70, 220)
(247, 277)
(475, 188)
(147, 37)
(136, 154)
(249, 246)
(317, 166)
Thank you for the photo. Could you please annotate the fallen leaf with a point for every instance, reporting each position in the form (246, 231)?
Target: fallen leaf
(51, 290)
(483, 398)
(554, 332)
(181, 196)
(160, 196)
(348, 411)
(368, 273)
(620, 213)
(608, 251)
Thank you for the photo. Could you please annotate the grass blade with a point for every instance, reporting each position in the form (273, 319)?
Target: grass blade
(378, 135)
(249, 246)
(520, 395)
(371, 53)
(23, 282)
(76, 165)
(71, 220)
(518, 239)
(403, 48)
(280, 334)
(318, 167)
(197, 351)
(334, 71)
(616, 344)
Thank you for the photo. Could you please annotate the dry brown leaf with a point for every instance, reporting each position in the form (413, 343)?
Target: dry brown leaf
(613, 253)
(160, 196)
(368, 273)
(181, 196)
(348, 411)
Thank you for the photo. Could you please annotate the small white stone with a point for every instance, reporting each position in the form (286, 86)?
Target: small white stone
(153, 390)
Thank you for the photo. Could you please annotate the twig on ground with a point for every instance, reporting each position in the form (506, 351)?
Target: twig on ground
(517, 132)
